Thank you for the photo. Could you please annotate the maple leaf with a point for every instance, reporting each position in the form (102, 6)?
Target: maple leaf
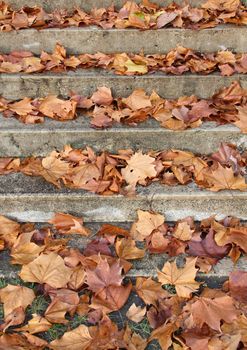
(77, 339)
(164, 335)
(37, 324)
(111, 298)
(9, 229)
(183, 231)
(13, 297)
(241, 123)
(212, 311)
(104, 275)
(55, 108)
(16, 317)
(133, 340)
(238, 285)
(183, 279)
(102, 96)
(147, 222)
(140, 167)
(47, 268)
(149, 291)
(136, 313)
(223, 178)
(23, 250)
(23, 107)
(68, 224)
(137, 100)
(63, 301)
(126, 249)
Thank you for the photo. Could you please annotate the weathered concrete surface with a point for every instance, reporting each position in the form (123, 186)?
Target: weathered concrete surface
(85, 82)
(93, 39)
(87, 5)
(33, 199)
(146, 267)
(20, 140)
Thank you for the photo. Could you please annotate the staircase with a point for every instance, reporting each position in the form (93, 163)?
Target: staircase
(32, 199)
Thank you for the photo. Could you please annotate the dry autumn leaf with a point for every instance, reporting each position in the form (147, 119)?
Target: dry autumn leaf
(127, 249)
(13, 297)
(136, 313)
(212, 311)
(77, 339)
(140, 167)
(47, 268)
(182, 278)
(147, 222)
(68, 224)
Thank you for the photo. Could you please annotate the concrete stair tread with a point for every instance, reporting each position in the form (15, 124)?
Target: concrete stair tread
(50, 135)
(146, 267)
(86, 81)
(32, 197)
(93, 39)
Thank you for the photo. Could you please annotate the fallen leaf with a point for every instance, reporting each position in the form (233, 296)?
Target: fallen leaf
(183, 279)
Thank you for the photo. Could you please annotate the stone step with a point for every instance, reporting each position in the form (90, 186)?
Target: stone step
(50, 5)
(44, 138)
(32, 198)
(145, 267)
(93, 39)
(86, 81)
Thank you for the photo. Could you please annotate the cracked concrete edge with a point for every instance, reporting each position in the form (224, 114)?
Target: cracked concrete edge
(92, 40)
(51, 135)
(23, 197)
(146, 267)
(85, 82)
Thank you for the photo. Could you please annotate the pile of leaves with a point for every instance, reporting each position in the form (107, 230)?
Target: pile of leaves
(92, 283)
(146, 15)
(177, 61)
(229, 105)
(109, 174)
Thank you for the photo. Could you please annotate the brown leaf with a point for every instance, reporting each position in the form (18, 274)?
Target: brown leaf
(136, 313)
(47, 268)
(14, 297)
(102, 96)
(77, 339)
(147, 222)
(212, 311)
(149, 291)
(68, 224)
(183, 279)
(238, 285)
(126, 249)
(137, 100)
(104, 275)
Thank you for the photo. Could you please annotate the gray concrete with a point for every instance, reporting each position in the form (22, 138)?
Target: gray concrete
(92, 40)
(33, 199)
(43, 138)
(85, 82)
(146, 267)
(50, 5)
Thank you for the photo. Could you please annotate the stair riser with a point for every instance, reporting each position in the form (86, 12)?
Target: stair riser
(40, 207)
(41, 142)
(85, 82)
(92, 40)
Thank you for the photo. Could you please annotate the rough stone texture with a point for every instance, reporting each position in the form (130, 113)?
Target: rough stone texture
(146, 267)
(32, 198)
(87, 5)
(85, 82)
(92, 40)
(43, 138)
